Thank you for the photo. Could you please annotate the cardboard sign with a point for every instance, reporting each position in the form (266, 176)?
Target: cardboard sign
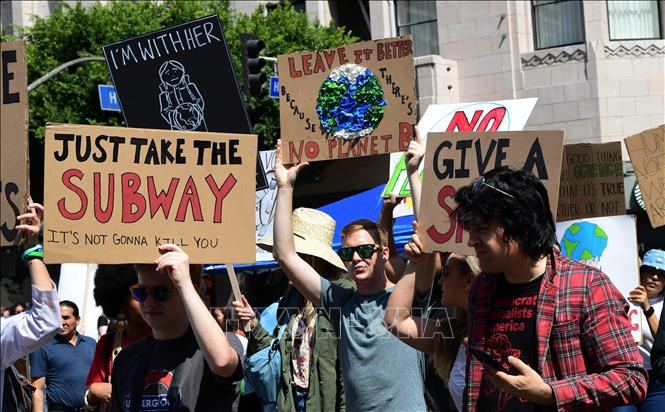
(113, 194)
(458, 158)
(647, 154)
(179, 78)
(591, 181)
(351, 101)
(609, 244)
(501, 115)
(265, 204)
(14, 166)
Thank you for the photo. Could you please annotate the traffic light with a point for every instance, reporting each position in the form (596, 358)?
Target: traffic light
(252, 65)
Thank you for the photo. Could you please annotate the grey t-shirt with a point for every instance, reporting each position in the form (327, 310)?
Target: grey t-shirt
(380, 372)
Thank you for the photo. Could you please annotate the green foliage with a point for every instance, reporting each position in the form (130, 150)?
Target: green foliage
(76, 31)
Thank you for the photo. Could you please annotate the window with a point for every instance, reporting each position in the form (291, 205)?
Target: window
(557, 23)
(418, 18)
(634, 20)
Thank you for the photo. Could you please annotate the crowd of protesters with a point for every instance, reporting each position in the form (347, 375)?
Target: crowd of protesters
(516, 327)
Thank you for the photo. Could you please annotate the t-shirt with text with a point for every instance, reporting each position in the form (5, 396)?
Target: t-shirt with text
(511, 331)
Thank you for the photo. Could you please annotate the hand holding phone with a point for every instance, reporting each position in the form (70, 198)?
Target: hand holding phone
(486, 358)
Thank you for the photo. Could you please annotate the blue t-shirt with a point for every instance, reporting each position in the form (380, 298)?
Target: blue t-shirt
(380, 372)
(65, 367)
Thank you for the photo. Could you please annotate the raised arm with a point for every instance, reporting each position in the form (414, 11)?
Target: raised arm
(395, 265)
(412, 330)
(26, 332)
(303, 276)
(221, 358)
(414, 155)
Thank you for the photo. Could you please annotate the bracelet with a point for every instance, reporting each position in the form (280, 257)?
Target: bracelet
(35, 252)
(649, 312)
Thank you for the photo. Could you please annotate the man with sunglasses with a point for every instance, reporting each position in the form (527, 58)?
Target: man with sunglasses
(380, 373)
(187, 363)
(559, 327)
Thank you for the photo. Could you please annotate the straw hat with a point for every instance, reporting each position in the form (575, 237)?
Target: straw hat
(312, 233)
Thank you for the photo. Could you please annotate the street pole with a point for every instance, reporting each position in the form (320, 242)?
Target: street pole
(60, 68)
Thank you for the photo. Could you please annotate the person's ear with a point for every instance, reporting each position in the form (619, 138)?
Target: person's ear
(385, 253)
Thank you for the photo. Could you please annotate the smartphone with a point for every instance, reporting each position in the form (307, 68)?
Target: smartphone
(487, 358)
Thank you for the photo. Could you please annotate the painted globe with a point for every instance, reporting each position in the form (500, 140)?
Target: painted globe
(583, 241)
(350, 102)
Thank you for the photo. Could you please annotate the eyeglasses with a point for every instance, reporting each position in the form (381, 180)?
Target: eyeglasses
(160, 293)
(480, 182)
(364, 251)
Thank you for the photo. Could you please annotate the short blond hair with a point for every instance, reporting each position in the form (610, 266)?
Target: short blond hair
(363, 224)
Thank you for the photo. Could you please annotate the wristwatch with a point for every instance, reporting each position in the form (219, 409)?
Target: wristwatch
(649, 312)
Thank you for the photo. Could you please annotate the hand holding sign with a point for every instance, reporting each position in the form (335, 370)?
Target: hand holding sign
(415, 153)
(286, 176)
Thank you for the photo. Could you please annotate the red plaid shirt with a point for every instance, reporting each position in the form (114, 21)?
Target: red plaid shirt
(585, 349)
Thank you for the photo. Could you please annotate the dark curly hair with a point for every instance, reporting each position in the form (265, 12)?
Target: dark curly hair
(527, 218)
(112, 283)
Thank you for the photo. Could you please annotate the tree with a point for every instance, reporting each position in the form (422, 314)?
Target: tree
(77, 31)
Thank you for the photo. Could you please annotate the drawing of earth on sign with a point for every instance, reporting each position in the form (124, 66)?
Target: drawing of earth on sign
(350, 102)
(584, 242)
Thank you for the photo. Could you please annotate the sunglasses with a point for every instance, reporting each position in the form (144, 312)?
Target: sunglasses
(160, 293)
(648, 272)
(364, 251)
(480, 182)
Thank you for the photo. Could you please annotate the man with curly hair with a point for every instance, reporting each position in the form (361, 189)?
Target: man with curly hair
(559, 328)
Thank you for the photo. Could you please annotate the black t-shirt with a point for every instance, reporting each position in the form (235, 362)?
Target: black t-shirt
(511, 332)
(171, 362)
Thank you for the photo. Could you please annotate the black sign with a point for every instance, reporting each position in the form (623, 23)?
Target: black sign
(180, 78)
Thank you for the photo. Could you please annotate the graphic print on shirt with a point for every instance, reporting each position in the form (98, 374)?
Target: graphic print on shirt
(155, 395)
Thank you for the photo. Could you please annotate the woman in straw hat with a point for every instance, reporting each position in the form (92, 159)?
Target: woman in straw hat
(308, 346)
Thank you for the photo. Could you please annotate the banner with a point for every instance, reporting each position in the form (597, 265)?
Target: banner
(647, 154)
(350, 101)
(114, 194)
(610, 245)
(459, 158)
(180, 78)
(591, 181)
(501, 115)
(14, 166)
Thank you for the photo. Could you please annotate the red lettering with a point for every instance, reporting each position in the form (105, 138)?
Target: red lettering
(342, 55)
(311, 149)
(292, 69)
(379, 51)
(306, 64)
(331, 145)
(386, 139)
(447, 191)
(405, 133)
(67, 181)
(330, 57)
(103, 216)
(220, 193)
(164, 199)
(190, 197)
(495, 115)
(461, 122)
(131, 198)
(361, 145)
(341, 154)
(634, 324)
(319, 66)
(293, 153)
(374, 149)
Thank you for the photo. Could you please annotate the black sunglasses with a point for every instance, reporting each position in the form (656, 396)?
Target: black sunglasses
(364, 251)
(480, 182)
(160, 293)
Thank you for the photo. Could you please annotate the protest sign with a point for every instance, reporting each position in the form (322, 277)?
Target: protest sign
(458, 158)
(501, 115)
(591, 181)
(647, 154)
(113, 194)
(265, 204)
(350, 101)
(179, 78)
(14, 166)
(609, 244)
